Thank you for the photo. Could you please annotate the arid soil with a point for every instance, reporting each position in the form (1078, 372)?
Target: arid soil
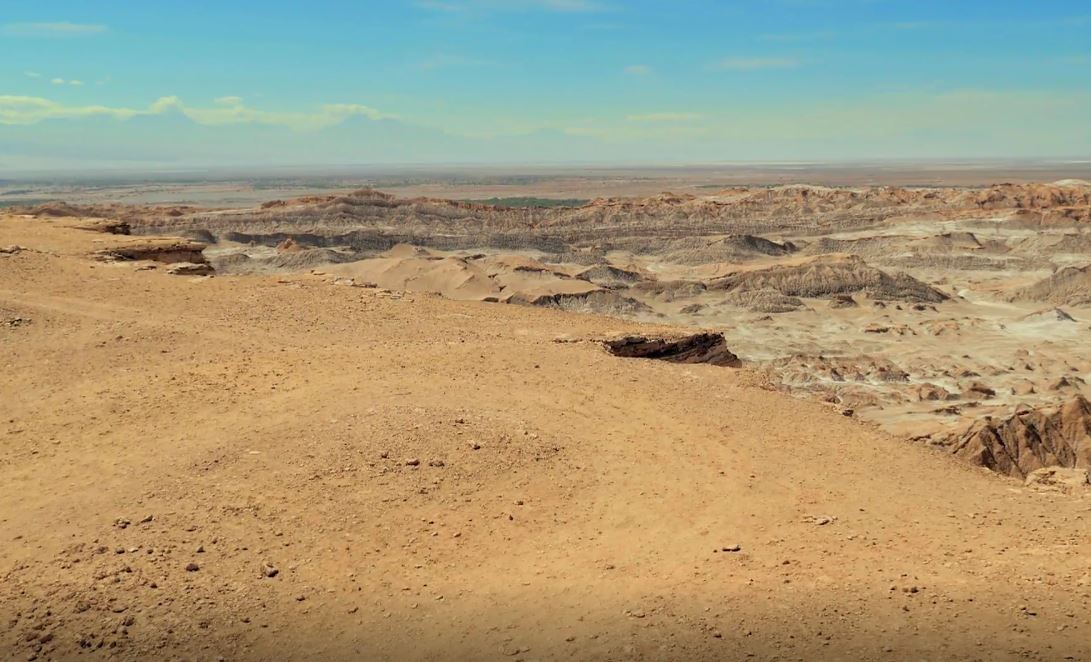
(295, 461)
(867, 298)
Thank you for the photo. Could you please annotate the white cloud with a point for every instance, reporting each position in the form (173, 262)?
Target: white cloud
(756, 63)
(638, 69)
(228, 110)
(31, 110)
(58, 80)
(60, 29)
(664, 117)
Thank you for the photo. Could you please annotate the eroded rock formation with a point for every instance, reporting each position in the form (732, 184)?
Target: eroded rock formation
(696, 348)
(1029, 439)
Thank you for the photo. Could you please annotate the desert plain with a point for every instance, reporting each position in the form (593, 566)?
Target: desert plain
(552, 418)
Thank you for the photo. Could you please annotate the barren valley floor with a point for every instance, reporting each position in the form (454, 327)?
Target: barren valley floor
(277, 466)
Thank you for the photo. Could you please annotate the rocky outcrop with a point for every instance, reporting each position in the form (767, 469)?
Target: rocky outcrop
(843, 301)
(1057, 479)
(764, 301)
(1070, 286)
(928, 392)
(1028, 440)
(827, 276)
(609, 276)
(105, 226)
(599, 302)
(290, 245)
(167, 250)
(705, 250)
(696, 348)
(190, 269)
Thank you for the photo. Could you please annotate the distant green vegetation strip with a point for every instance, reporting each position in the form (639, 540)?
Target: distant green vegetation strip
(531, 202)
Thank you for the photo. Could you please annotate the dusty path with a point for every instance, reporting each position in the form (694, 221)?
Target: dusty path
(561, 503)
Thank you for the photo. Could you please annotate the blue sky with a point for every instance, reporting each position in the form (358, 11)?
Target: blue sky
(535, 81)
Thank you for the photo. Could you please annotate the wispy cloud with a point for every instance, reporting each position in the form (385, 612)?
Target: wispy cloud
(755, 63)
(226, 110)
(915, 25)
(454, 6)
(638, 70)
(60, 29)
(665, 117)
(447, 61)
(790, 37)
(60, 81)
(32, 74)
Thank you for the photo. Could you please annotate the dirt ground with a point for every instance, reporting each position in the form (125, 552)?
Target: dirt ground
(268, 467)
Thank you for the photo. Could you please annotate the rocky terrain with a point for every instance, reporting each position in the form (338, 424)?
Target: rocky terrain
(813, 287)
(800, 422)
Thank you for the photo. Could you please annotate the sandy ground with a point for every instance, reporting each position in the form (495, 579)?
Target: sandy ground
(432, 479)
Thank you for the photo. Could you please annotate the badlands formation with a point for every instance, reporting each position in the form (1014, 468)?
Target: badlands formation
(798, 423)
(925, 310)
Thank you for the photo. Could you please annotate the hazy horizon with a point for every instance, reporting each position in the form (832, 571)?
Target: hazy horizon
(542, 81)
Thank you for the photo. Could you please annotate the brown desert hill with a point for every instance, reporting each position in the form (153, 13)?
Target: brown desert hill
(864, 247)
(294, 260)
(452, 277)
(1068, 286)
(1029, 439)
(704, 250)
(278, 467)
(139, 214)
(886, 246)
(1069, 243)
(950, 241)
(609, 276)
(828, 275)
(1034, 196)
(371, 220)
(766, 300)
(494, 278)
